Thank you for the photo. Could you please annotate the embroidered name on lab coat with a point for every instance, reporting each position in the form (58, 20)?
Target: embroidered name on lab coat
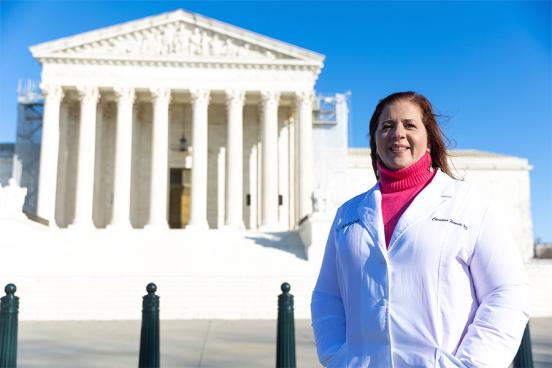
(450, 221)
(355, 221)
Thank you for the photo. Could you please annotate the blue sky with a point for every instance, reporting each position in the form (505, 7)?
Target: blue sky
(486, 65)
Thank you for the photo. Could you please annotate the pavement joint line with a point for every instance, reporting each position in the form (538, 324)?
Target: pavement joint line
(204, 343)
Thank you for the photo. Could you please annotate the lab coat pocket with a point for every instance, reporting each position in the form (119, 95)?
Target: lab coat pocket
(446, 360)
(339, 359)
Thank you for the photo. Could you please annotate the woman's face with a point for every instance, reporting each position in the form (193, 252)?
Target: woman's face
(401, 136)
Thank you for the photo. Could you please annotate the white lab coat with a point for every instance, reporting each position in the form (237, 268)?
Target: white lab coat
(450, 291)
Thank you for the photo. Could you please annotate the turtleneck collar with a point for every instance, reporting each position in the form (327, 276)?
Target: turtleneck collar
(407, 178)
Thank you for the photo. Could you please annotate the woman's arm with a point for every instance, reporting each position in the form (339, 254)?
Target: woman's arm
(503, 293)
(327, 312)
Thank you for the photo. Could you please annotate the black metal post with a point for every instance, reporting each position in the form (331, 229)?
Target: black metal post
(9, 309)
(524, 356)
(149, 335)
(285, 337)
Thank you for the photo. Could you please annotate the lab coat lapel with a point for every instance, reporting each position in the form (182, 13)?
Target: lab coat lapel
(370, 216)
(425, 203)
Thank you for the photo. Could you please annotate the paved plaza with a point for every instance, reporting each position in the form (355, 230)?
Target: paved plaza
(187, 344)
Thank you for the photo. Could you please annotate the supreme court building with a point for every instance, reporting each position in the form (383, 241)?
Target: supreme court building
(176, 120)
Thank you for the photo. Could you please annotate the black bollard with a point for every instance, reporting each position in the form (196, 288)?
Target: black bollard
(149, 335)
(524, 356)
(9, 308)
(285, 336)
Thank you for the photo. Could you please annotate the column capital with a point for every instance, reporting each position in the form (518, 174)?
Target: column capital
(52, 91)
(200, 95)
(124, 93)
(302, 97)
(161, 95)
(88, 93)
(269, 96)
(235, 96)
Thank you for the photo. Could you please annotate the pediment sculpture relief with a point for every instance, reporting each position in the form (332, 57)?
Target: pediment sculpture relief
(175, 39)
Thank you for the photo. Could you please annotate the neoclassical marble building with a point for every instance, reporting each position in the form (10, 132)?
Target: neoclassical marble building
(177, 120)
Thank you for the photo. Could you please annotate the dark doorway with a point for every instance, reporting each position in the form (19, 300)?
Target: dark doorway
(179, 205)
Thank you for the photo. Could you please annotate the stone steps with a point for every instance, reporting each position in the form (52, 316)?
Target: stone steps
(65, 274)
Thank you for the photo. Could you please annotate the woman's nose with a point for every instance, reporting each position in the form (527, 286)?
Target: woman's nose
(399, 131)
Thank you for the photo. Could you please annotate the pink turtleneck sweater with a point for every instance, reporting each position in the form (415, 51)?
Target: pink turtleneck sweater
(399, 188)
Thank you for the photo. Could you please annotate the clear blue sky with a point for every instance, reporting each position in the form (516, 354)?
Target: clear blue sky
(487, 65)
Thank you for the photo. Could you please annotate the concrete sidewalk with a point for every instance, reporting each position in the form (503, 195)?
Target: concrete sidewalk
(188, 344)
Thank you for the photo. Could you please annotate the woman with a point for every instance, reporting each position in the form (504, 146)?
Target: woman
(418, 271)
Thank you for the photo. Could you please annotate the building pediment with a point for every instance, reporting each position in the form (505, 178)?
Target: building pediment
(175, 36)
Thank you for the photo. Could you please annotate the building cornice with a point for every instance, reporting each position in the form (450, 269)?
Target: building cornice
(181, 62)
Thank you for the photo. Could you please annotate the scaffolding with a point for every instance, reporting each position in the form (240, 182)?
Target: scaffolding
(323, 110)
(30, 109)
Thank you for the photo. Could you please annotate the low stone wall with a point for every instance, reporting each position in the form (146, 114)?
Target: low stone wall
(539, 272)
(543, 251)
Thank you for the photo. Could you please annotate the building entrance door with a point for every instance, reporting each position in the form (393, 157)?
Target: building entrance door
(179, 204)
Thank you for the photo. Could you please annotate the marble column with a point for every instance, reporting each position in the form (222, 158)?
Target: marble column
(234, 160)
(84, 194)
(49, 148)
(269, 170)
(123, 157)
(159, 159)
(198, 210)
(305, 157)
